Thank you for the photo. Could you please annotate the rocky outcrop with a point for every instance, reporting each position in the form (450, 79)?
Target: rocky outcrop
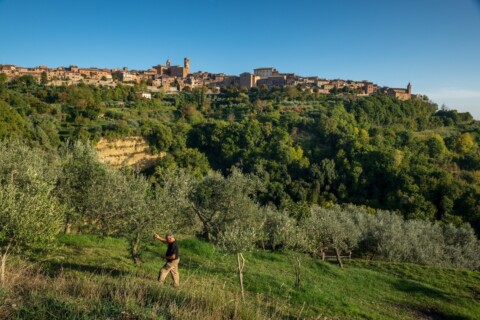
(133, 151)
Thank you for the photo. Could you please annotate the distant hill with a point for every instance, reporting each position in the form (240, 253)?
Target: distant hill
(307, 147)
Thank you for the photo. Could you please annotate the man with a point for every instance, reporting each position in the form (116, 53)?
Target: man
(172, 257)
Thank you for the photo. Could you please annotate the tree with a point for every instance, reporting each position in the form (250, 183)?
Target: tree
(229, 214)
(238, 238)
(125, 203)
(192, 160)
(26, 166)
(464, 143)
(171, 203)
(218, 201)
(330, 228)
(29, 220)
(12, 125)
(436, 146)
(43, 78)
(3, 78)
(114, 202)
(81, 170)
(160, 136)
(30, 214)
(461, 246)
(278, 228)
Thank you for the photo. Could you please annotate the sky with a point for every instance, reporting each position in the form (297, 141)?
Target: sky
(434, 44)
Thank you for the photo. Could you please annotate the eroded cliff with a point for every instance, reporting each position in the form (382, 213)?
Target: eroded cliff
(133, 151)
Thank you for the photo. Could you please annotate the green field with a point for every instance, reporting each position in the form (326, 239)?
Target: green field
(90, 277)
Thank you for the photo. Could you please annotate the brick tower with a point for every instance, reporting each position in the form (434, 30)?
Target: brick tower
(186, 65)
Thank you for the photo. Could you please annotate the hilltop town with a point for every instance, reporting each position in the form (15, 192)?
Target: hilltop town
(174, 78)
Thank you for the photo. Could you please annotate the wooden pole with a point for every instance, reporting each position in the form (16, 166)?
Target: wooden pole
(297, 273)
(241, 264)
(4, 263)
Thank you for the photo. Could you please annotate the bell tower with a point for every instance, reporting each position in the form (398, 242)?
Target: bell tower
(186, 64)
(409, 88)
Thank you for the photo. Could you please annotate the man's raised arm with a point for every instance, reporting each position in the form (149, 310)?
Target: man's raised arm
(157, 237)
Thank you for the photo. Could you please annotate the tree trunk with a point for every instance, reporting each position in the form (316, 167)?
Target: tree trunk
(68, 228)
(322, 254)
(297, 273)
(208, 235)
(2, 269)
(339, 259)
(240, 265)
(135, 249)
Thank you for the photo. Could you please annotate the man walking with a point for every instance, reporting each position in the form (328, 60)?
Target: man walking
(172, 257)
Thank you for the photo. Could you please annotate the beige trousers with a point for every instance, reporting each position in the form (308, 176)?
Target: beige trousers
(172, 268)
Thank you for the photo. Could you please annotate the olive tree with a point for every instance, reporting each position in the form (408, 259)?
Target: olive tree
(278, 228)
(115, 201)
(125, 203)
(165, 208)
(27, 167)
(29, 220)
(461, 246)
(238, 238)
(218, 201)
(229, 214)
(386, 236)
(425, 242)
(330, 228)
(29, 212)
(80, 171)
(171, 202)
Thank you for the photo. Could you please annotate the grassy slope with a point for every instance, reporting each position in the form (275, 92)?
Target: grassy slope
(98, 280)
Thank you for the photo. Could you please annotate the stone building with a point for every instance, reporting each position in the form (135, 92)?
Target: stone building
(368, 88)
(273, 81)
(125, 75)
(174, 71)
(265, 72)
(399, 93)
(248, 80)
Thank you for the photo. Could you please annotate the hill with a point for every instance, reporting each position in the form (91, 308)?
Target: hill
(307, 147)
(91, 277)
(250, 171)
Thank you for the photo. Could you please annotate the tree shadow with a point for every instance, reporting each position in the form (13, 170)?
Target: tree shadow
(413, 287)
(433, 314)
(56, 268)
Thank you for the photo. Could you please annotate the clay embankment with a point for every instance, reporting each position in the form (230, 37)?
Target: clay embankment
(132, 152)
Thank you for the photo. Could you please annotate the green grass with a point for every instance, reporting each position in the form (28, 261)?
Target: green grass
(91, 277)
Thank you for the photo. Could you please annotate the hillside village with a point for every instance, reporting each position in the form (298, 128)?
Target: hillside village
(173, 78)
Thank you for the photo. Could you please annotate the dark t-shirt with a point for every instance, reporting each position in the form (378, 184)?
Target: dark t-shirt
(172, 249)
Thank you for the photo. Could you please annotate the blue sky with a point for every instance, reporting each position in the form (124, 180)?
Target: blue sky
(435, 44)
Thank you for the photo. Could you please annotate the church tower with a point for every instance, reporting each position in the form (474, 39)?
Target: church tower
(409, 88)
(168, 63)
(186, 64)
